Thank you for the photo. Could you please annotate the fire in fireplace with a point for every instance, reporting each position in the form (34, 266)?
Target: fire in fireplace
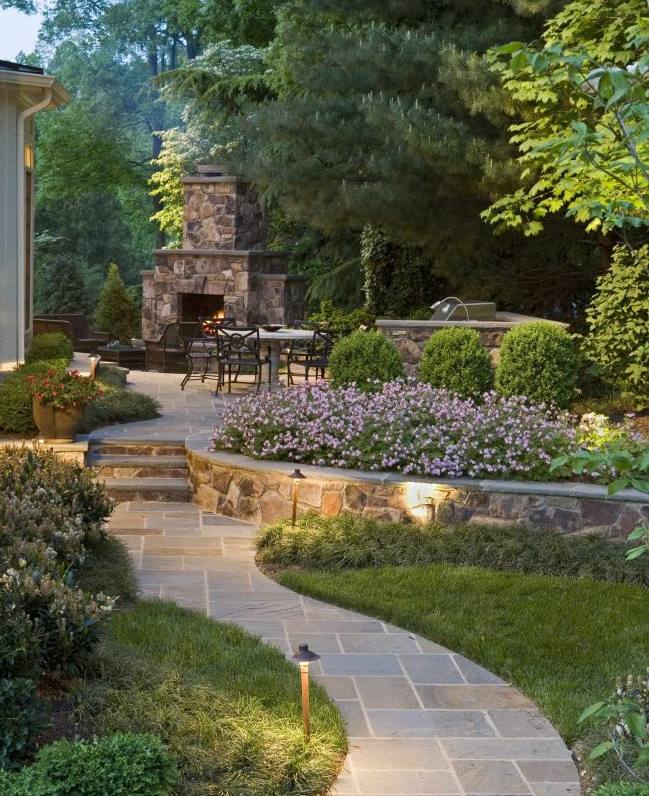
(198, 305)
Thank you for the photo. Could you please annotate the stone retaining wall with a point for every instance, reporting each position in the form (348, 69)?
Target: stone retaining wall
(260, 492)
(409, 337)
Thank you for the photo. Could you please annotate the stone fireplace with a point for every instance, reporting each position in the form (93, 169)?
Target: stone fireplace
(223, 268)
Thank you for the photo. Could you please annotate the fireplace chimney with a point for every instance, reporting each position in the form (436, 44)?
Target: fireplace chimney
(221, 212)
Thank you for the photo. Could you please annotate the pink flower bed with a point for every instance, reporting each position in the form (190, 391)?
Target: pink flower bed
(406, 426)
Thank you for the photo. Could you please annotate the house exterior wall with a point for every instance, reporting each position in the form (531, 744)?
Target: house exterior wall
(10, 260)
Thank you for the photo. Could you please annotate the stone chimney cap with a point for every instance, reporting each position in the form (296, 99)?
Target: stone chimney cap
(212, 171)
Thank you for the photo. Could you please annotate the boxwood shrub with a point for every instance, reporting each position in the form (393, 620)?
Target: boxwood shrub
(121, 764)
(365, 359)
(53, 345)
(455, 359)
(538, 360)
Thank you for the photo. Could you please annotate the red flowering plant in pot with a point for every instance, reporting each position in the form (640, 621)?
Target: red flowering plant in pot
(59, 398)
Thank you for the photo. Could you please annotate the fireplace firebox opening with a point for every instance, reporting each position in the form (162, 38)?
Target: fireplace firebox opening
(199, 305)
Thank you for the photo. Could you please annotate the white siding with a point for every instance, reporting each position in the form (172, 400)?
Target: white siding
(9, 259)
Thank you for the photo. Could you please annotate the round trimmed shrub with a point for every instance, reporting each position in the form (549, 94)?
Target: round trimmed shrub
(54, 345)
(364, 359)
(455, 359)
(122, 764)
(538, 360)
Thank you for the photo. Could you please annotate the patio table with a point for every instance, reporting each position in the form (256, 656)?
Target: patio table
(275, 341)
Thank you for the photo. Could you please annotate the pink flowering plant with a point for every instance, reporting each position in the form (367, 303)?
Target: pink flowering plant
(405, 426)
(64, 389)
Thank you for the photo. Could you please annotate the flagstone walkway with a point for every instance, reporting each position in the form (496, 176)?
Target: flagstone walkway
(421, 719)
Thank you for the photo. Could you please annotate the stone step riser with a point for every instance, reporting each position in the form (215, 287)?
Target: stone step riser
(124, 471)
(124, 495)
(135, 449)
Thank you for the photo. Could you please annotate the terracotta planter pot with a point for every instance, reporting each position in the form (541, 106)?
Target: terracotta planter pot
(57, 425)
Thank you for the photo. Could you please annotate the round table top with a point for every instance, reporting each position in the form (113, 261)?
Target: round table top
(285, 335)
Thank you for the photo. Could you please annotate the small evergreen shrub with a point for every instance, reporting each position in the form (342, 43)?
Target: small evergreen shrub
(16, 396)
(623, 789)
(66, 620)
(121, 764)
(19, 643)
(338, 320)
(111, 375)
(538, 360)
(39, 477)
(21, 719)
(455, 359)
(618, 324)
(117, 313)
(119, 406)
(364, 359)
(55, 345)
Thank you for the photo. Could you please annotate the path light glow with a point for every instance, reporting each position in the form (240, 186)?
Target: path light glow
(296, 476)
(304, 657)
(94, 361)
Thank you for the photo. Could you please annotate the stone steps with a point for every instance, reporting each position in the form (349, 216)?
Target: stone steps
(134, 470)
(113, 465)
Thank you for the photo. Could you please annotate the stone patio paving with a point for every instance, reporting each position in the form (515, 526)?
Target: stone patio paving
(421, 719)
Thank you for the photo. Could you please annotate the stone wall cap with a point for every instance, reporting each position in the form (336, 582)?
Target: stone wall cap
(218, 252)
(198, 445)
(504, 320)
(194, 179)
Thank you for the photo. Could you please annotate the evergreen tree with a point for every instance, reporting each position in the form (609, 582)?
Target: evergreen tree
(386, 113)
(117, 313)
(59, 287)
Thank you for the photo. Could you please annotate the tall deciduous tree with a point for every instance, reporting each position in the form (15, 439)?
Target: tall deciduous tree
(584, 138)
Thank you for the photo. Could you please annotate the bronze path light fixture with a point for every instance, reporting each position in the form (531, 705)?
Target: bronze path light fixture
(304, 657)
(296, 476)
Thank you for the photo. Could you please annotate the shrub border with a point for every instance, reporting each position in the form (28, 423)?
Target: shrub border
(260, 491)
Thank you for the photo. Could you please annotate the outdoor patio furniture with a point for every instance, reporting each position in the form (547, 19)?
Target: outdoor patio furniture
(237, 348)
(309, 355)
(167, 354)
(84, 339)
(126, 356)
(48, 326)
(200, 352)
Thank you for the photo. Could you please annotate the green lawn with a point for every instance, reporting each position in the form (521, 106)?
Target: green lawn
(562, 641)
(226, 705)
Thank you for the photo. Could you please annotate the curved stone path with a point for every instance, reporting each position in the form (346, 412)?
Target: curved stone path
(421, 719)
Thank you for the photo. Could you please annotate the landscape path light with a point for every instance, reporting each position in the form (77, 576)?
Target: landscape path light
(304, 657)
(94, 362)
(296, 476)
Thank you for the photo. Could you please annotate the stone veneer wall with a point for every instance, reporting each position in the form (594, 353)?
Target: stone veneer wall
(410, 337)
(260, 492)
(221, 213)
(254, 286)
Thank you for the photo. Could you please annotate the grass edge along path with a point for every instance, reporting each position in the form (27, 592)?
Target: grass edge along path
(561, 641)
